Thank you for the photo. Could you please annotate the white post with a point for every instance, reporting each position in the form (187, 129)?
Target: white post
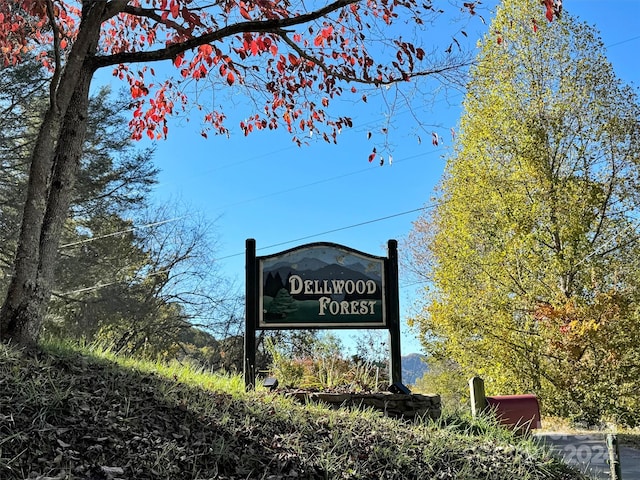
(478, 397)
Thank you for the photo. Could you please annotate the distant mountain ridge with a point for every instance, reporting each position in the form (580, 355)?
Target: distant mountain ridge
(306, 264)
(413, 368)
(313, 268)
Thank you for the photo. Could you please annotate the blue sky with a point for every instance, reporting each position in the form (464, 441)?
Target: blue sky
(265, 187)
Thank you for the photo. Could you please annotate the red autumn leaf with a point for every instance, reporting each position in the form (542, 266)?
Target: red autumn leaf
(230, 78)
(549, 14)
(471, 6)
(549, 7)
(175, 9)
(372, 156)
(206, 50)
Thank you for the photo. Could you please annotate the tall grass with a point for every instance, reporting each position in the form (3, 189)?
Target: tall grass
(184, 371)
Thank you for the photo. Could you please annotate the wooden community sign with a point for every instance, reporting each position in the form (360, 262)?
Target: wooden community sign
(321, 285)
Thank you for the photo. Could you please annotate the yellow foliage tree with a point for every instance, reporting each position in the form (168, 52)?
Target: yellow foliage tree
(531, 254)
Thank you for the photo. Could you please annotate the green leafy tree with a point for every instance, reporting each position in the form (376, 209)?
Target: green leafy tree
(96, 278)
(449, 381)
(532, 251)
(140, 289)
(114, 281)
(21, 106)
(114, 177)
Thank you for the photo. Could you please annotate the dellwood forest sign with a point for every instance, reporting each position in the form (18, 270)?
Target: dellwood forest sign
(321, 285)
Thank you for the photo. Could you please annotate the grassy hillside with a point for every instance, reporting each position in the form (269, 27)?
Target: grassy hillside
(68, 414)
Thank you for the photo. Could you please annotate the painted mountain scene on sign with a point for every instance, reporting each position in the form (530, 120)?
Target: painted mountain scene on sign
(324, 278)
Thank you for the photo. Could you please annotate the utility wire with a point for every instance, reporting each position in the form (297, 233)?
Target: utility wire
(280, 192)
(292, 189)
(326, 180)
(354, 225)
(113, 234)
(102, 285)
(623, 41)
(257, 157)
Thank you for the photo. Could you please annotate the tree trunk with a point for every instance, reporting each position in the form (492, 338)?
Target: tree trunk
(51, 176)
(29, 291)
(14, 316)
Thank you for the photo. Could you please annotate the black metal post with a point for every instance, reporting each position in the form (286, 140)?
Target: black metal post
(251, 314)
(393, 315)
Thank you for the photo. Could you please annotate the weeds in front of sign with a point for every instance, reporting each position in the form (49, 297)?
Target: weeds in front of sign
(325, 369)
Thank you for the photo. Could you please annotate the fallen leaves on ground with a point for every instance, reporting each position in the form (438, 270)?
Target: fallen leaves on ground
(70, 416)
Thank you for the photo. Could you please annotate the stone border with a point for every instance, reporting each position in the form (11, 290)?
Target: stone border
(392, 404)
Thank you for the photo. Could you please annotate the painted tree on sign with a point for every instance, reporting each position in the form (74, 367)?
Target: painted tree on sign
(294, 57)
(532, 250)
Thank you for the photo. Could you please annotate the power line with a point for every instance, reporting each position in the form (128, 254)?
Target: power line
(102, 285)
(326, 180)
(280, 192)
(347, 227)
(128, 230)
(380, 219)
(623, 41)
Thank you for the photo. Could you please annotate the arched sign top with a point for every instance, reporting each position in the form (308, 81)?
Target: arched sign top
(321, 285)
(320, 245)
